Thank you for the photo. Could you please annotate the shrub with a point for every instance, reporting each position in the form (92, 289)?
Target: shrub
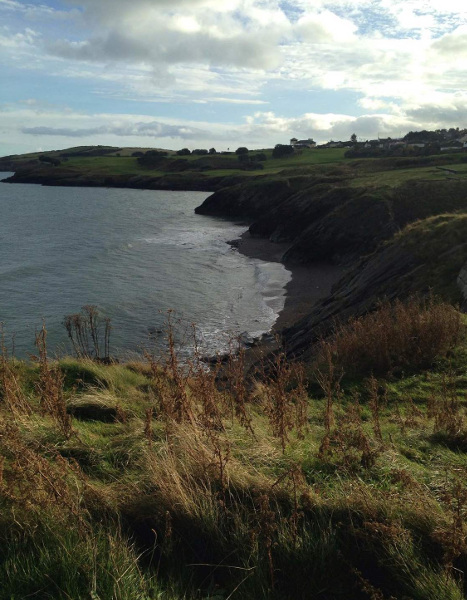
(152, 158)
(282, 150)
(402, 335)
(85, 332)
(50, 160)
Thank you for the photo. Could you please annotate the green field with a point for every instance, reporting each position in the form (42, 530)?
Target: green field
(119, 163)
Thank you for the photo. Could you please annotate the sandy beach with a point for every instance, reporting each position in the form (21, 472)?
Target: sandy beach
(308, 283)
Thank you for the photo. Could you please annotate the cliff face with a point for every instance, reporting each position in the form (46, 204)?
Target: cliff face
(251, 199)
(63, 176)
(331, 220)
(397, 269)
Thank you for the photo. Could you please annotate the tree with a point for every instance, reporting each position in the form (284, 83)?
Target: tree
(282, 150)
(183, 152)
(212, 151)
(152, 159)
(241, 150)
(259, 157)
(353, 138)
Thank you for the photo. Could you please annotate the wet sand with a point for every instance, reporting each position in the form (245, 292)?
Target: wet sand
(308, 283)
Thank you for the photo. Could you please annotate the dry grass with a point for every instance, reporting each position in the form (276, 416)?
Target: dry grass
(257, 490)
(396, 337)
(50, 387)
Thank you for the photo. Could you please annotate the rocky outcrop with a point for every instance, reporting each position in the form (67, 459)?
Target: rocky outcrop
(251, 199)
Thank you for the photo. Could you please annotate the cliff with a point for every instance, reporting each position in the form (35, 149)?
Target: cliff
(64, 176)
(426, 256)
(393, 241)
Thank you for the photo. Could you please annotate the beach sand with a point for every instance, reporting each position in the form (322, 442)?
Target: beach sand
(307, 286)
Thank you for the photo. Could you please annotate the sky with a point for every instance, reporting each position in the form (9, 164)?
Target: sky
(225, 73)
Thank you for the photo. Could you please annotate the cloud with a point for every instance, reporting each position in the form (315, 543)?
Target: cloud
(324, 127)
(326, 27)
(152, 129)
(235, 33)
(240, 51)
(401, 63)
(452, 44)
(450, 110)
(37, 11)
(35, 125)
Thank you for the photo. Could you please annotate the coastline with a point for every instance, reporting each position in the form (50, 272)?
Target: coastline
(308, 284)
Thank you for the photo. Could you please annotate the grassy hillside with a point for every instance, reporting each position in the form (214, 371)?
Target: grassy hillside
(149, 480)
(116, 167)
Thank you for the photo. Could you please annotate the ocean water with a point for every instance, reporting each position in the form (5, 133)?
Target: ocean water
(134, 254)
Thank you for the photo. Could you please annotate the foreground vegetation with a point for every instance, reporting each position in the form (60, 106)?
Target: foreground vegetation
(341, 479)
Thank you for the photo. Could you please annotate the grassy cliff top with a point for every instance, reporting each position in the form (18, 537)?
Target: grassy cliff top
(103, 161)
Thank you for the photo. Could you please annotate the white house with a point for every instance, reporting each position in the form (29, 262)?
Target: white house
(309, 143)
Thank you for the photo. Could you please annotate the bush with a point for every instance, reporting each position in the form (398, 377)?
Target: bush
(152, 158)
(401, 335)
(201, 151)
(183, 152)
(50, 160)
(241, 150)
(282, 150)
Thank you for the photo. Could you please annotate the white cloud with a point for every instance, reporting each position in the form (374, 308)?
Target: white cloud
(52, 127)
(151, 129)
(325, 26)
(452, 44)
(404, 59)
(243, 33)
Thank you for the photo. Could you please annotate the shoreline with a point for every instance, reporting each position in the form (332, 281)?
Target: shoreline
(308, 284)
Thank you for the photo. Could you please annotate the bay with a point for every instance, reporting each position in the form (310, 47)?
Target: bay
(135, 254)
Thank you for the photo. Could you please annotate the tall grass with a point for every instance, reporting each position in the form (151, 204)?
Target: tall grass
(396, 337)
(238, 488)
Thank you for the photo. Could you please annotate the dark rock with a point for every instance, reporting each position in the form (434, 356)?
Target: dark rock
(93, 411)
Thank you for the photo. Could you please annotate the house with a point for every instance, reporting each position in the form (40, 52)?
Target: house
(298, 144)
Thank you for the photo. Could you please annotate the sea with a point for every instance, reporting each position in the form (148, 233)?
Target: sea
(140, 257)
